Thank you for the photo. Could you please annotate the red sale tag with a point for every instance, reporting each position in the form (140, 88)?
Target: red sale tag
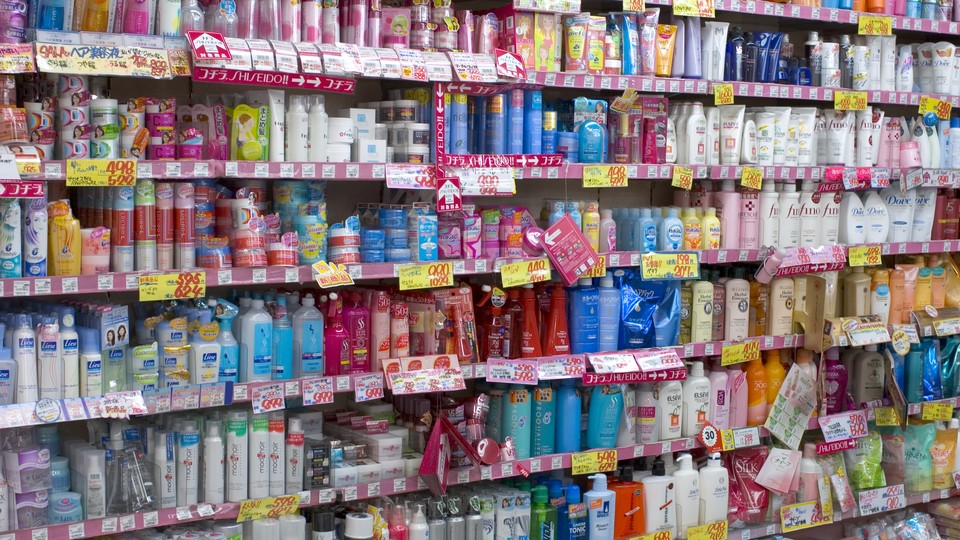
(267, 398)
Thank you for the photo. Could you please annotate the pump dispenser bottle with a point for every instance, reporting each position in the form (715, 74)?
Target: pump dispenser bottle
(687, 489)
(660, 500)
(601, 504)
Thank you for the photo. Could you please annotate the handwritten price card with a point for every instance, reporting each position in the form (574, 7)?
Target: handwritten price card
(598, 176)
(521, 273)
(675, 265)
(849, 100)
(594, 462)
(932, 105)
(694, 8)
(159, 287)
(91, 60)
(710, 531)
(722, 94)
(658, 360)
(682, 177)
(886, 416)
(843, 426)
(101, 172)
(874, 25)
(318, 391)
(512, 371)
(937, 410)
(885, 499)
(426, 276)
(864, 255)
(268, 398)
(599, 269)
(738, 353)
(368, 387)
(268, 508)
(751, 177)
(802, 516)
(560, 367)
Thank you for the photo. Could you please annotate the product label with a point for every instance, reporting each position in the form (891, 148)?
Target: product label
(710, 531)
(694, 8)
(262, 353)
(752, 177)
(737, 353)
(937, 410)
(849, 100)
(848, 425)
(885, 499)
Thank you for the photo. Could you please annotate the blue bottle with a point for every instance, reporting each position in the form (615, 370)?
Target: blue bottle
(913, 372)
(626, 233)
(544, 419)
(51, 15)
(606, 405)
(556, 213)
(517, 411)
(457, 143)
(515, 122)
(573, 208)
(559, 501)
(533, 122)
(577, 515)
(646, 232)
(592, 142)
(609, 314)
(569, 404)
(282, 349)
(496, 125)
(671, 234)
(584, 318)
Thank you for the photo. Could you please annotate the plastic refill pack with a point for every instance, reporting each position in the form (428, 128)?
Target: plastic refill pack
(863, 462)
(649, 312)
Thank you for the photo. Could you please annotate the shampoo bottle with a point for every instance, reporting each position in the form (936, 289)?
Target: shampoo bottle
(606, 406)
(256, 341)
(670, 408)
(687, 489)
(601, 503)
(517, 412)
(696, 401)
(660, 500)
(544, 419)
(714, 490)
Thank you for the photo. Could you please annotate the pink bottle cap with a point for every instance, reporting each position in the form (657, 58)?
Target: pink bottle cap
(531, 242)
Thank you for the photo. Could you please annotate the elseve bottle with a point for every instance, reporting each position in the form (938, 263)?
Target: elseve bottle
(557, 338)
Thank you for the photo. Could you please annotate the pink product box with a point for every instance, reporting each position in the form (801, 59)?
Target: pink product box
(517, 34)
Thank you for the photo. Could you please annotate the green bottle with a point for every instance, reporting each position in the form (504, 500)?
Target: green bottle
(543, 516)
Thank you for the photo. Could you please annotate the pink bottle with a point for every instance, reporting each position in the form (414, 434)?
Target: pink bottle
(290, 15)
(749, 219)
(399, 330)
(336, 340)
(379, 306)
(727, 201)
(836, 381)
(356, 317)
(268, 15)
(737, 390)
(810, 473)
(310, 21)
(136, 17)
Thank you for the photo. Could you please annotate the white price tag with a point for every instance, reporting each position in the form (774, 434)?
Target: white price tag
(556, 462)
(350, 493)
(240, 393)
(183, 512)
(535, 465)
(41, 286)
(224, 277)
(21, 288)
(41, 534)
(305, 498)
(506, 469)
(373, 490)
(107, 525)
(173, 169)
(205, 510)
(75, 531)
(133, 281)
(105, 282)
(128, 523)
(291, 275)
(69, 285)
(885, 499)
(259, 275)
(463, 476)
(486, 473)
(399, 485)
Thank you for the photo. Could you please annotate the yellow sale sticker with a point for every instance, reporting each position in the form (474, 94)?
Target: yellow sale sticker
(682, 177)
(426, 276)
(599, 269)
(593, 462)
(864, 255)
(886, 416)
(157, 287)
(710, 531)
(751, 177)
(598, 176)
(521, 273)
(936, 410)
(271, 507)
(932, 105)
(874, 25)
(849, 100)
(675, 265)
(738, 353)
(101, 172)
(723, 94)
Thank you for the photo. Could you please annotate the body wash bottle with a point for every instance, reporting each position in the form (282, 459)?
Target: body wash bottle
(687, 489)
(601, 503)
(606, 406)
(696, 401)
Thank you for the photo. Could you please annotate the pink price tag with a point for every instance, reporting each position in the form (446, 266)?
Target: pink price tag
(561, 367)
(268, 398)
(613, 363)
(367, 387)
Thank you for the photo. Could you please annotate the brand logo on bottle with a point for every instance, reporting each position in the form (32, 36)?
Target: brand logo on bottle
(209, 358)
(26, 343)
(69, 344)
(48, 346)
(149, 363)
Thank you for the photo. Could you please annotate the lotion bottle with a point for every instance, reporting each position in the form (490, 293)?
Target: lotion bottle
(719, 410)
(687, 489)
(660, 501)
(696, 401)
(608, 231)
(237, 456)
(69, 353)
(714, 490)
(213, 462)
(737, 309)
(601, 503)
(259, 457)
(810, 473)
(789, 203)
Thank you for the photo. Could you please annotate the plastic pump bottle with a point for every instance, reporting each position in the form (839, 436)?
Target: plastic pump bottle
(229, 347)
(601, 503)
(696, 401)
(660, 501)
(687, 489)
(569, 404)
(714, 490)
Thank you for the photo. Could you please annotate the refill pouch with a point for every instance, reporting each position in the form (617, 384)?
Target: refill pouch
(918, 465)
(835, 470)
(948, 365)
(932, 389)
(942, 455)
(748, 500)
(249, 133)
(893, 457)
(864, 462)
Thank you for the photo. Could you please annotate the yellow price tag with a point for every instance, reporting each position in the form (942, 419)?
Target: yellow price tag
(157, 287)
(727, 442)
(694, 8)
(849, 100)
(101, 172)
(874, 25)
(633, 5)
(28, 166)
(598, 176)
(331, 274)
(676, 265)
(426, 276)
(738, 353)
(521, 273)
(863, 256)
(723, 94)
(710, 531)
(682, 177)
(623, 103)
(271, 507)
(659, 535)
(751, 177)
(940, 108)
(886, 416)
(900, 341)
(599, 269)
(936, 411)
(594, 462)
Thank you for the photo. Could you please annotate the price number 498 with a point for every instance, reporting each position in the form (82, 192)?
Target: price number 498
(122, 172)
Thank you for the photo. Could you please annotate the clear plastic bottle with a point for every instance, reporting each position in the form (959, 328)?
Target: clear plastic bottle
(191, 17)
(222, 17)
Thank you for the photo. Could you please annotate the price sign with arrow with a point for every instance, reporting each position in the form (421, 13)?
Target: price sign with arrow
(21, 190)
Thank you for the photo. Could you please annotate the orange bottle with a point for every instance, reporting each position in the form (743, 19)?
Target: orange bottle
(557, 338)
(756, 393)
(630, 517)
(513, 319)
(530, 336)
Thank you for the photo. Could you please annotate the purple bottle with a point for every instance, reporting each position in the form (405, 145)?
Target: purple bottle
(356, 317)
(836, 381)
(336, 341)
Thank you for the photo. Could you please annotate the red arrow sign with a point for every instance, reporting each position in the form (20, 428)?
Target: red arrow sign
(21, 190)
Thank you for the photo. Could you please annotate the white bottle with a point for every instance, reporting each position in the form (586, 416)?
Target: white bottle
(780, 312)
(94, 493)
(769, 215)
(48, 359)
(601, 509)
(900, 209)
(829, 209)
(307, 339)
(670, 403)
(204, 354)
(955, 424)
(294, 457)
(213, 461)
(714, 490)
(696, 135)
(418, 529)
(69, 353)
(809, 215)
(25, 355)
(789, 215)
(256, 342)
(687, 488)
(278, 476)
(696, 401)
(925, 202)
(671, 156)
(297, 131)
(737, 310)
(259, 455)
(188, 464)
(719, 412)
(648, 414)
(853, 220)
(876, 217)
(856, 295)
(868, 376)
(713, 135)
(659, 500)
(165, 467)
(683, 116)
(318, 130)
(627, 432)
(237, 456)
